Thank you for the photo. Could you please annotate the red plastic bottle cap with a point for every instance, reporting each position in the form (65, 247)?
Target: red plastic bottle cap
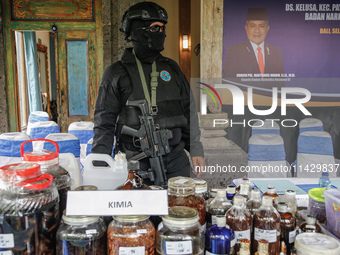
(36, 156)
(20, 171)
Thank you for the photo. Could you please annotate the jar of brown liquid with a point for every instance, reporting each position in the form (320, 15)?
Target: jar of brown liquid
(310, 225)
(239, 219)
(267, 226)
(254, 203)
(271, 192)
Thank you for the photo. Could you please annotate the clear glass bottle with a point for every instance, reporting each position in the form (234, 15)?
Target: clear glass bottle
(134, 181)
(231, 192)
(267, 226)
(219, 206)
(244, 191)
(271, 192)
(310, 225)
(180, 233)
(254, 203)
(219, 238)
(288, 226)
(131, 235)
(263, 248)
(290, 199)
(239, 219)
(201, 188)
(78, 235)
(181, 192)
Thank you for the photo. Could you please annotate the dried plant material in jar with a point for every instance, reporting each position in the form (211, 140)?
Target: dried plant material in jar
(128, 234)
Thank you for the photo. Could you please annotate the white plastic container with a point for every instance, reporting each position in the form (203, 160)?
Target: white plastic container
(105, 178)
(70, 163)
(316, 244)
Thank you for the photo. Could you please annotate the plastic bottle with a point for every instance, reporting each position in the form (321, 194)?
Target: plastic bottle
(324, 181)
(245, 247)
(219, 238)
(267, 226)
(219, 206)
(231, 192)
(254, 203)
(310, 225)
(271, 192)
(288, 227)
(240, 221)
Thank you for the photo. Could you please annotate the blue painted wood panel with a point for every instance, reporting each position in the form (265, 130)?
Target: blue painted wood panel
(77, 64)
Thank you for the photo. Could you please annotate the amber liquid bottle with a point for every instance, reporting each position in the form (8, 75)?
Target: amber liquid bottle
(134, 181)
(239, 219)
(288, 227)
(271, 192)
(267, 226)
(310, 225)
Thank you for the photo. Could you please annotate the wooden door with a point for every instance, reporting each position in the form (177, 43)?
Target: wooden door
(77, 76)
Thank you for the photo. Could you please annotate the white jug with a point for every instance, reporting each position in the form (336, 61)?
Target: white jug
(105, 178)
(71, 165)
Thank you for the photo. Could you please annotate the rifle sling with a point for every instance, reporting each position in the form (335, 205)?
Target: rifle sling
(153, 84)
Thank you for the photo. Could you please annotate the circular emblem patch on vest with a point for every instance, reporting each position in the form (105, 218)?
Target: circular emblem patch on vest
(165, 76)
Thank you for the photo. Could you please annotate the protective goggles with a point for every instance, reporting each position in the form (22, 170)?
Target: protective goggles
(154, 29)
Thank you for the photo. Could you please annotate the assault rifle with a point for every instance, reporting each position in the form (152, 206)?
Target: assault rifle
(154, 143)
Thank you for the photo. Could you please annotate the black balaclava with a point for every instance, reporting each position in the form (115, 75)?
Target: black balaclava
(147, 45)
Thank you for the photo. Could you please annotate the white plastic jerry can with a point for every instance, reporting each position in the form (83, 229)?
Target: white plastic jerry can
(105, 178)
(70, 163)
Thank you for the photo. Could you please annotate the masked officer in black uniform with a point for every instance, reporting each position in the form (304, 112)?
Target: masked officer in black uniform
(173, 106)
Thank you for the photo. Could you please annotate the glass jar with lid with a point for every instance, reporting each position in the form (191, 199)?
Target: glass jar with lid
(81, 235)
(131, 235)
(180, 233)
(29, 207)
(201, 187)
(181, 192)
(49, 163)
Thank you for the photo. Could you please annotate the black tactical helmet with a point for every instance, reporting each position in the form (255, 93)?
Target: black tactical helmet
(146, 11)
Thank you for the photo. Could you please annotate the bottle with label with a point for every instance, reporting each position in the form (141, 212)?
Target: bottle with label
(244, 191)
(219, 238)
(310, 225)
(244, 247)
(263, 248)
(134, 181)
(219, 206)
(131, 235)
(267, 226)
(180, 233)
(231, 192)
(288, 226)
(254, 203)
(239, 220)
(271, 192)
(324, 181)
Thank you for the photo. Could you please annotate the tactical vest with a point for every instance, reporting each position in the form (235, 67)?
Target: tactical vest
(170, 112)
